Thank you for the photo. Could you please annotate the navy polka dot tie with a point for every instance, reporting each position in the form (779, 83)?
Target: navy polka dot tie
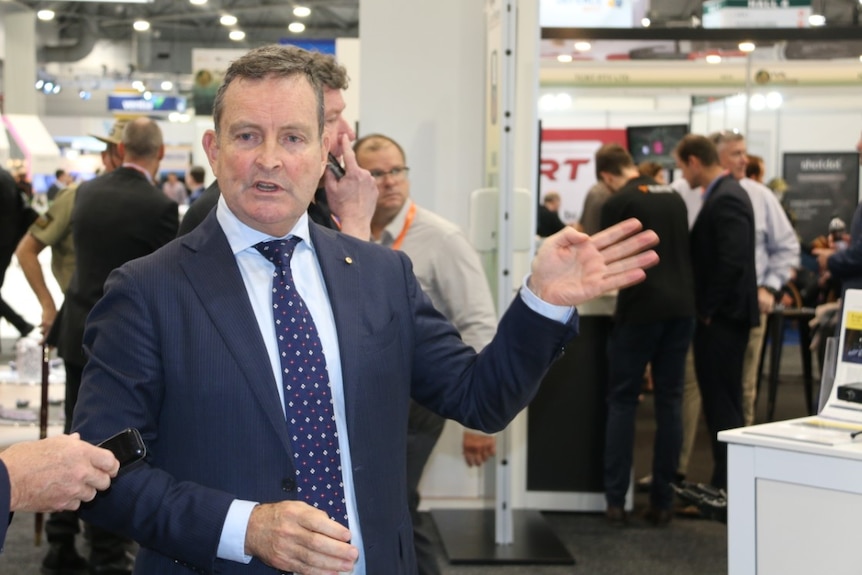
(307, 398)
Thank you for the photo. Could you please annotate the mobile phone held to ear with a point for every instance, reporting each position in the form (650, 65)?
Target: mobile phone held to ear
(335, 167)
(127, 446)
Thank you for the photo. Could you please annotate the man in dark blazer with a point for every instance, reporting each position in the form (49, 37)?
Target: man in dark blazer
(725, 289)
(117, 217)
(182, 346)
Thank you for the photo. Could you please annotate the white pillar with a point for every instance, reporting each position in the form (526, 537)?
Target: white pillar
(423, 85)
(19, 73)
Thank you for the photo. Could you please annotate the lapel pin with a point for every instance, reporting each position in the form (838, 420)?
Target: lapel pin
(349, 260)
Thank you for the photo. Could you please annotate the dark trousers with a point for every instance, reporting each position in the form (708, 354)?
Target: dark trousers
(423, 431)
(62, 526)
(719, 349)
(630, 348)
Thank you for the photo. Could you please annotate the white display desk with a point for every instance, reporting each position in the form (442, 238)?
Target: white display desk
(793, 507)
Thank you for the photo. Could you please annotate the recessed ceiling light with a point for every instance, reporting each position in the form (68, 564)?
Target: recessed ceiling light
(564, 58)
(296, 27)
(747, 46)
(236, 35)
(302, 11)
(227, 20)
(45, 15)
(141, 25)
(713, 59)
(582, 46)
(198, 2)
(167, 85)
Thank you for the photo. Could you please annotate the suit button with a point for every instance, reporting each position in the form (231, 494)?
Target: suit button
(288, 484)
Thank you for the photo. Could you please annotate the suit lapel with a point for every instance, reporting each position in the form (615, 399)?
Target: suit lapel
(341, 273)
(233, 318)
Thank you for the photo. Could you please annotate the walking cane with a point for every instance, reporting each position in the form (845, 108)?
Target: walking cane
(43, 425)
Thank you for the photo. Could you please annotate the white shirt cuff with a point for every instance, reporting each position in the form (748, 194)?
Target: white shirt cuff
(231, 545)
(560, 313)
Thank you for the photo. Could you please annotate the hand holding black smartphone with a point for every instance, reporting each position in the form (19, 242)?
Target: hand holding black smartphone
(127, 446)
(335, 167)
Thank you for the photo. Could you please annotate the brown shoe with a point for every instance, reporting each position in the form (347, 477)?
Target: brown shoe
(658, 517)
(616, 516)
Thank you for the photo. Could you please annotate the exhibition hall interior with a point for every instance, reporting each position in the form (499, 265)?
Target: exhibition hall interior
(497, 106)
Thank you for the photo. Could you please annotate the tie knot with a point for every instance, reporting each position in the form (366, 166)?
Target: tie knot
(278, 251)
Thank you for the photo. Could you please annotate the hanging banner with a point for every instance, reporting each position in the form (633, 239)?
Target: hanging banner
(821, 186)
(568, 165)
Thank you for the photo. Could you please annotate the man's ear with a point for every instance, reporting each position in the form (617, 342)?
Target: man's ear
(209, 141)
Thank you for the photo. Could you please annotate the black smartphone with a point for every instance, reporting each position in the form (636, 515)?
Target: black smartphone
(127, 446)
(335, 166)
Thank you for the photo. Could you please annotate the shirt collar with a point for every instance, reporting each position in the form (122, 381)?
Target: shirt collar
(393, 228)
(242, 237)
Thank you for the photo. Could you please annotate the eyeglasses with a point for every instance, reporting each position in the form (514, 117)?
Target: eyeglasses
(396, 173)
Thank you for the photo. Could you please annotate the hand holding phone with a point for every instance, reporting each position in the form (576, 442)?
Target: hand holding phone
(335, 167)
(127, 446)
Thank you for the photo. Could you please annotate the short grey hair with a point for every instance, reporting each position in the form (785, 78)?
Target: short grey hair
(272, 61)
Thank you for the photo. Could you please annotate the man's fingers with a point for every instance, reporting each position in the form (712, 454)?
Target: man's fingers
(616, 232)
(639, 261)
(630, 246)
(349, 156)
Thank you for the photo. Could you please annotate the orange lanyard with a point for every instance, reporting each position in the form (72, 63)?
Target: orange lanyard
(408, 221)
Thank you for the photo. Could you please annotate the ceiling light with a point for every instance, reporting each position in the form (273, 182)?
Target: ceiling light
(236, 35)
(747, 46)
(167, 85)
(139, 86)
(305, 12)
(45, 15)
(817, 20)
(564, 58)
(713, 59)
(227, 20)
(141, 25)
(582, 46)
(198, 2)
(757, 102)
(296, 27)
(774, 100)
(645, 22)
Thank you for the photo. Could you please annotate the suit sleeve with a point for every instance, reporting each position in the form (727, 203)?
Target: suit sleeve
(123, 385)
(5, 502)
(732, 249)
(848, 263)
(482, 391)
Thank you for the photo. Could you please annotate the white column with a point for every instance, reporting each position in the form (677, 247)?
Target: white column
(423, 85)
(19, 73)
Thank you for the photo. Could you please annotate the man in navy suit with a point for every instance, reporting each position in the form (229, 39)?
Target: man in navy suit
(725, 289)
(182, 346)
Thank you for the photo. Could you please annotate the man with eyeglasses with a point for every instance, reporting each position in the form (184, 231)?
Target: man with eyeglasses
(450, 272)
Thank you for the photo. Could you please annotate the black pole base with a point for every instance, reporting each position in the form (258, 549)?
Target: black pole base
(468, 536)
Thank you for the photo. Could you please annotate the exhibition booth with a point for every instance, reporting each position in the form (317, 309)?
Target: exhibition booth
(464, 129)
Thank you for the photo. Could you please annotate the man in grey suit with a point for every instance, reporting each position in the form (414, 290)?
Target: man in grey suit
(183, 346)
